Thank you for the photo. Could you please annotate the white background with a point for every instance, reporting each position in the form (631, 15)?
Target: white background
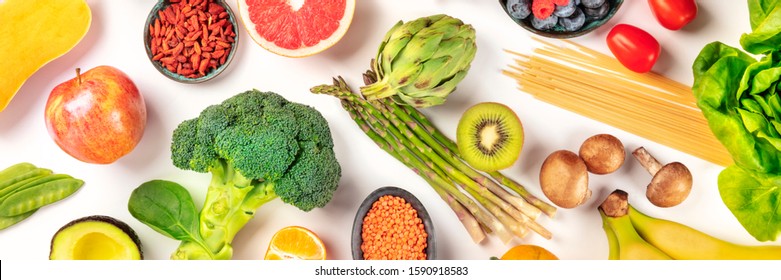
(115, 38)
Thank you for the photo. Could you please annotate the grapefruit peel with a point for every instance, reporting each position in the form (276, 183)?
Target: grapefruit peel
(303, 50)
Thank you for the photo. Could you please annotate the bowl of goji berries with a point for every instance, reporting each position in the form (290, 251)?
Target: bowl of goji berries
(191, 41)
(392, 224)
(560, 19)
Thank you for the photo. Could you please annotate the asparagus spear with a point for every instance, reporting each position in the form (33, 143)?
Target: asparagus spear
(450, 147)
(468, 213)
(498, 206)
(442, 169)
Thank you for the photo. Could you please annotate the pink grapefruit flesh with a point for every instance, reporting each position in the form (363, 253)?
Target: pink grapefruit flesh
(296, 28)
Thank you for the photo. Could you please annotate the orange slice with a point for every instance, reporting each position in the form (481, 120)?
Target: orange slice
(295, 243)
(528, 252)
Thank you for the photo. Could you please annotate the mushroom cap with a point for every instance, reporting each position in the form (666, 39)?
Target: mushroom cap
(602, 153)
(564, 179)
(670, 186)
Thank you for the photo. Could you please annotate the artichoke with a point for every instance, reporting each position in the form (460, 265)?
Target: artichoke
(421, 61)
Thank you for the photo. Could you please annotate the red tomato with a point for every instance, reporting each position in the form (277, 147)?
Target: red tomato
(673, 14)
(633, 47)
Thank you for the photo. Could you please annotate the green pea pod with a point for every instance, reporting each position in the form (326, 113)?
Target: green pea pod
(15, 186)
(6, 222)
(14, 170)
(29, 183)
(38, 196)
(6, 183)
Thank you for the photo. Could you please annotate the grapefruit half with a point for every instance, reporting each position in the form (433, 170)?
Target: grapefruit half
(296, 28)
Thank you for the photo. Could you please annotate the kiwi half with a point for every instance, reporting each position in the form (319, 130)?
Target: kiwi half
(489, 136)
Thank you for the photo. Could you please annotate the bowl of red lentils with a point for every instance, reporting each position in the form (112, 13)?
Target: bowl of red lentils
(392, 224)
(191, 41)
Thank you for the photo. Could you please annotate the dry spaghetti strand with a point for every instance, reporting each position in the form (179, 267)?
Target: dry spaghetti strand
(597, 86)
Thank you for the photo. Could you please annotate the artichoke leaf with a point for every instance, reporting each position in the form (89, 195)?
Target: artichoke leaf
(391, 50)
(433, 71)
(419, 49)
(421, 101)
(448, 26)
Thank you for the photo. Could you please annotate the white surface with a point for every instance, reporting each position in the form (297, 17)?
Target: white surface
(115, 38)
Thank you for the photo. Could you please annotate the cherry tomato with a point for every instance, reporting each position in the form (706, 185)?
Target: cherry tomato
(673, 14)
(633, 47)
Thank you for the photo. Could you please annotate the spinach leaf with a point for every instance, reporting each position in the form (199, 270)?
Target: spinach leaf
(167, 208)
(765, 25)
(755, 200)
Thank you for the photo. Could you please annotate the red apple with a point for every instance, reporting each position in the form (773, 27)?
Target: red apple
(96, 117)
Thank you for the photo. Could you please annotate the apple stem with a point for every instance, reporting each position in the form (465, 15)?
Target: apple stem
(78, 75)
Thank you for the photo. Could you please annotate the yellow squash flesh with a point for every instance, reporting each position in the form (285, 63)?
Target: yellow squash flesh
(35, 33)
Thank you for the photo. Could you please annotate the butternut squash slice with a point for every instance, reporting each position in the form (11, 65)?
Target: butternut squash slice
(35, 33)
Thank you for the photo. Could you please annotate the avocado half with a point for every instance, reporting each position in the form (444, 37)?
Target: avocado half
(96, 238)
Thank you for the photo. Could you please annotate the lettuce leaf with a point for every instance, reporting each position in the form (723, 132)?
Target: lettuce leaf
(765, 25)
(740, 98)
(755, 200)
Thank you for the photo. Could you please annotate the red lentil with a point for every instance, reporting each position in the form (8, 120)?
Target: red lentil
(392, 230)
(191, 37)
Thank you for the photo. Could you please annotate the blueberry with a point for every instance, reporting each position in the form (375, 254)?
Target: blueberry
(573, 22)
(565, 11)
(592, 3)
(598, 13)
(519, 9)
(544, 24)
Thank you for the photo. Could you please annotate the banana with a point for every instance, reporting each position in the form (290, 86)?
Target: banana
(685, 243)
(612, 241)
(630, 245)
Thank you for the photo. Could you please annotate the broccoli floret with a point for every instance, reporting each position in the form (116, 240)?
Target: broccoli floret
(258, 146)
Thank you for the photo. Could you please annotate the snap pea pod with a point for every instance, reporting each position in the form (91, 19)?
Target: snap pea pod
(38, 196)
(28, 183)
(11, 180)
(14, 170)
(15, 186)
(6, 222)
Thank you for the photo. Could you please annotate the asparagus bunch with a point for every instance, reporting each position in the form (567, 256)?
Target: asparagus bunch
(479, 200)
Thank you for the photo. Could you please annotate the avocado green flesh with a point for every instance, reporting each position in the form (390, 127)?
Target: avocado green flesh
(95, 240)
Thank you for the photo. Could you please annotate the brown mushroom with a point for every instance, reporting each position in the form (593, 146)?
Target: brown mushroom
(602, 153)
(671, 184)
(564, 179)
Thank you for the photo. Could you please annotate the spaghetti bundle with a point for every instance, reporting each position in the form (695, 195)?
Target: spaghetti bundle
(597, 86)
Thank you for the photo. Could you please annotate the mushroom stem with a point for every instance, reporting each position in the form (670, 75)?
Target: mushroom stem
(647, 161)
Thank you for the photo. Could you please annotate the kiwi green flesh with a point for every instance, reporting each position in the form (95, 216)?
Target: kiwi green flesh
(96, 238)
(490, 136)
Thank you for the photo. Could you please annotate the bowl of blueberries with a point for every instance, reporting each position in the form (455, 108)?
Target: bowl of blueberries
(560, 19)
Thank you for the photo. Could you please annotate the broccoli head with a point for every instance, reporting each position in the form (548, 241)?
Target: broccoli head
(261, 140)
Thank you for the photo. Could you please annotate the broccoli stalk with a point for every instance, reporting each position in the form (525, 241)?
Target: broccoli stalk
(220, 221)
(258, 146)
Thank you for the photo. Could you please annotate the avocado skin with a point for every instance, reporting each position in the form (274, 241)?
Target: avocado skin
(103, 219)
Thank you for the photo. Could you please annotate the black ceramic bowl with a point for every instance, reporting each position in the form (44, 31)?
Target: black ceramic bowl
(558, 32)
(162, 4)
(407, 196)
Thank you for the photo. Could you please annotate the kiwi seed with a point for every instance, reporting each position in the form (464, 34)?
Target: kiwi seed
(490, 136)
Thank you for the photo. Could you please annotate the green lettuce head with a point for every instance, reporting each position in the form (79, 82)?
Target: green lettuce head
(739, 96)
